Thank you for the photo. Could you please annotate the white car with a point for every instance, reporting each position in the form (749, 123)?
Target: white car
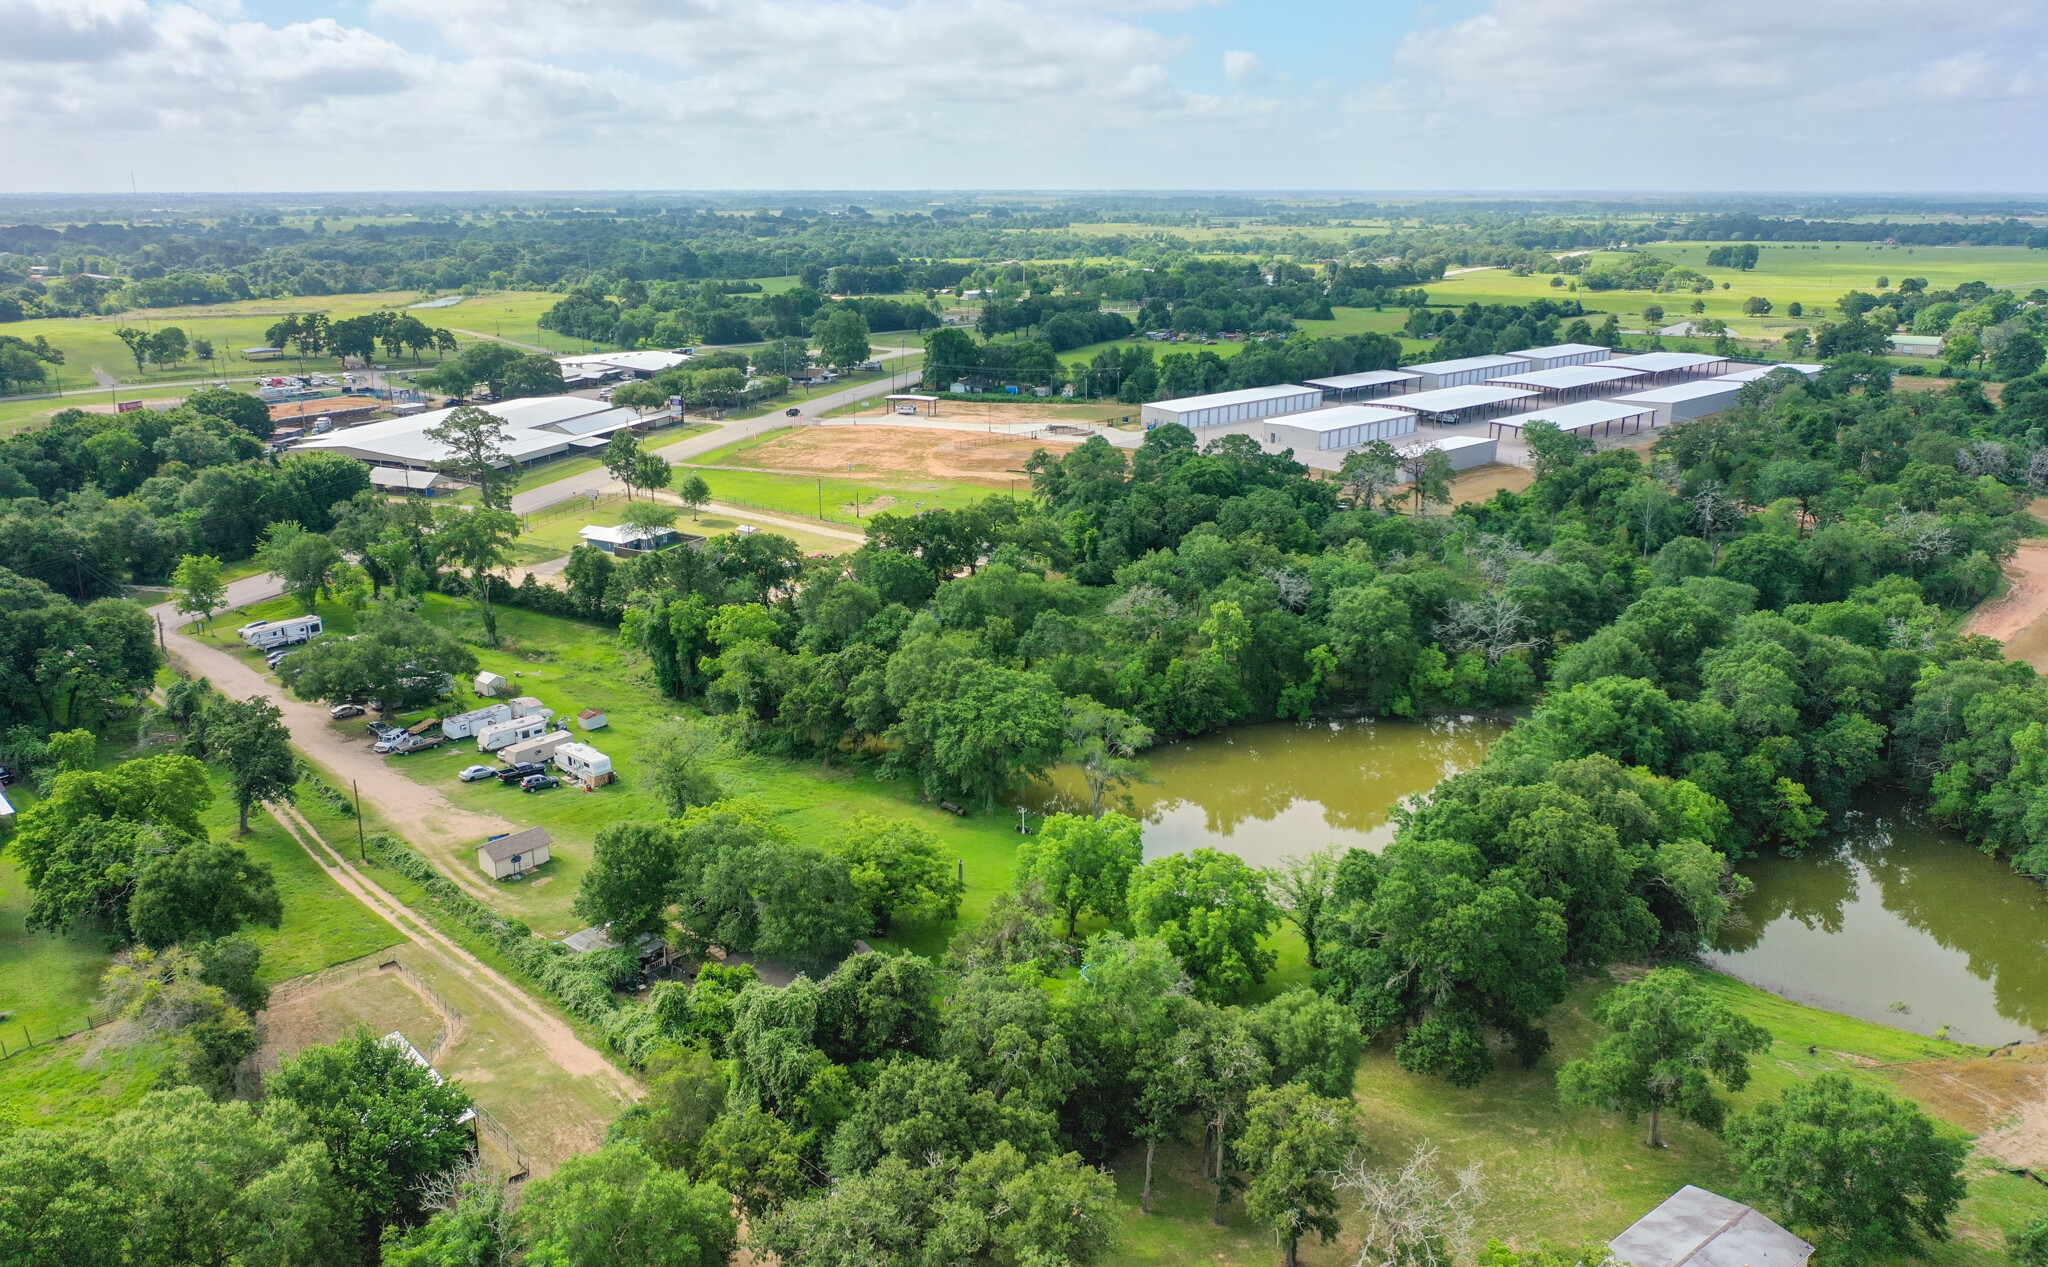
(474, 773)
(341, 711)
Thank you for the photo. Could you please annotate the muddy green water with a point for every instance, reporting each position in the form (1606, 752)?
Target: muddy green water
(1893, 922)
(1272, 791)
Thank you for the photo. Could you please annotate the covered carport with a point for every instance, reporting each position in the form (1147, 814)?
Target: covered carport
(918, 402)
(1587, 418)
(1456, 406)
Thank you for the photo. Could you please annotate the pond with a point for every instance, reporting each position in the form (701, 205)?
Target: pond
(1272, 791)
(1901, 924)
(1894, 922)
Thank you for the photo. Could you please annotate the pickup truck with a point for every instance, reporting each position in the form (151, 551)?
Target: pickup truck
(404, 743)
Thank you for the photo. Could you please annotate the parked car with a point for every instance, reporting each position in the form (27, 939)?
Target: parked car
(525, 769)
(342, 711)
(6, 776)
(275, 658)
(385, 730)
(474, 773)
(791, 412)
(538, 782)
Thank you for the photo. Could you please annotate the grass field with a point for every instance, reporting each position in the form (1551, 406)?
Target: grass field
(89, 343)
(838, 499)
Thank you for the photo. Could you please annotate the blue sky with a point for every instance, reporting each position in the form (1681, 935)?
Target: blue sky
(1510, 95)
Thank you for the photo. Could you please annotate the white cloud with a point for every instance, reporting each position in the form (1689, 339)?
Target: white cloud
(1610, 94)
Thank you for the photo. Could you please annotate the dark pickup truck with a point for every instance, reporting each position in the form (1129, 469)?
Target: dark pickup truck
(517, 773)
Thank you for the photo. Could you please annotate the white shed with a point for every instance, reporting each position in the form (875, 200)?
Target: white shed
(516, 854)
(490, 685)
(584, 764)
(593, 719)
(528, 706)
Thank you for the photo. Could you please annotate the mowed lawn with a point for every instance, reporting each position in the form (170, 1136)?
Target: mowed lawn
(842, 500)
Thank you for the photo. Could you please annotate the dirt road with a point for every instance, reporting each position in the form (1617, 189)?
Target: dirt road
(2019, 617)
(424, 816)
(576, 1057)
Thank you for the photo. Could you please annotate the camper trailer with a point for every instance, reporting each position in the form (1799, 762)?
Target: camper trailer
(506, 733)
(266, 634)
(537, 749)
(584, 764)
(465, 725)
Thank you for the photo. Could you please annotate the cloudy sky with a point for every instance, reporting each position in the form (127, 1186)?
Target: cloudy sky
(1743, 95)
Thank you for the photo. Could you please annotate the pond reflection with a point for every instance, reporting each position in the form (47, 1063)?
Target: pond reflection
(1270, 791)
(1899, 924)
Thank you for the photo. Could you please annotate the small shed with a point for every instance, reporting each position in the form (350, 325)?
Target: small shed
(1704, 1229)
(490, 685)
(528, 706)
(592, 719)
(516, 854)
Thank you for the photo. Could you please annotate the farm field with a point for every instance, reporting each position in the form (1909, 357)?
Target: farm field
(89, 343)
(552, 536)
(797, 471)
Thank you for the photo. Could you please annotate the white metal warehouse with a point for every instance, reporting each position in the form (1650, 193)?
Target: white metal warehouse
(1223, 408)
(1346, 388)
(1465, 452)
(1560, 354)
(1669, 367)
(1587, 417)
(535, 429)
(1339, 427)
(1682, 402)
(1569, 382)
(1449, 406)
(1432, 375)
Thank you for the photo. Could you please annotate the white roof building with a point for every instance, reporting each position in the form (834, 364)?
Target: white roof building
(640, 364)
(1584, 418)
(1462, 404)
(1364, 385)
(1665, 366)
(1751, 373)
(1464, 452)
(1682, 402)
(1465, 369)
(1698, 1228)
(1223, 408)
(1566, 379)
(1564, 354)
(535, 428)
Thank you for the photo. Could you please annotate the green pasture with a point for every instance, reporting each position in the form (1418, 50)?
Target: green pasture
(89, 343)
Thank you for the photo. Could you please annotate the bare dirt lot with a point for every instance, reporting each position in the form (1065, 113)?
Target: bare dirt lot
(990, 412)
(2019, 617)
(950, 455)
(2002, 1099)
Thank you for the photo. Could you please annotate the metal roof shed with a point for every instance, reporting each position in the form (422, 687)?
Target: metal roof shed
(1682, 402)
(1584, 418)
(1751, 373)
(1464, 370)
(1222, 408)
(515, 854)
(1339, 427)
(1568, 381)
(1703, 1229)
(1465, 452)
(1365, 386)
(1558, 354)
(1669, 367)
(1449, 406)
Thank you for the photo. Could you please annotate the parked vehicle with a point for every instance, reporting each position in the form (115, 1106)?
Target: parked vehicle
(276, 658)
(403, 743)
(385, 730)
(6, 776)
(525, 769)
(476, 773)
(341, 712)
(791, 412)
(267, 634)
(538, 782)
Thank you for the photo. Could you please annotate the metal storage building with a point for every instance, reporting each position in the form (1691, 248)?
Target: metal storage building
(1559, 354)
(1345, 388)
(1669, 367)
(1698, 1228)
(1339, 427)
(1569, 382)
(1682, 402)
(1606, 417)
(1469, 369)
(1223, 408)
(1465, 452)
(1449, 406)
(1750, 373)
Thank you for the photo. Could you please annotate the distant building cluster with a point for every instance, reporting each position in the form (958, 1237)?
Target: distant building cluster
(1470, 403)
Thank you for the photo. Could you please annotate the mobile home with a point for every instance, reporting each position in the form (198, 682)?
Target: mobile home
(465, 725)
(265, 634)
(506, 733)
(539, 748)
(584, 764)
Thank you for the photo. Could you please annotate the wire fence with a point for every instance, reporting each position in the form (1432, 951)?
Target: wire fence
(490, 1127)
(418, 982)
(29, 1039)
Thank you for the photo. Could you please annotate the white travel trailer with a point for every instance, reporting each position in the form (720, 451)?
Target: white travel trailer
(265, 634)
(505, 733)
(584, 764)
(465, 725)
(538, 748)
